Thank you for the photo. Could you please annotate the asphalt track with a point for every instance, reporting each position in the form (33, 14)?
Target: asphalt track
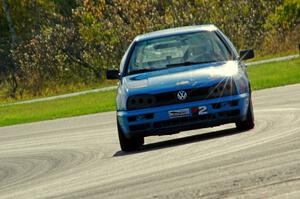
(80, 158)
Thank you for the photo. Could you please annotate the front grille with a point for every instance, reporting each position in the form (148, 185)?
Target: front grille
(185, 122)
(195, 119)
(196, 94)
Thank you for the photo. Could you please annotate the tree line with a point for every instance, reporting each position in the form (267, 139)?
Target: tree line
(45, 43)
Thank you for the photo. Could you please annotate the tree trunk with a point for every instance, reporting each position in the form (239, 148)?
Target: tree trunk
(10, 23)
(14, 82)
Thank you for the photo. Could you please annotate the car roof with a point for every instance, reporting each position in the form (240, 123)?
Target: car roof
(175, 31)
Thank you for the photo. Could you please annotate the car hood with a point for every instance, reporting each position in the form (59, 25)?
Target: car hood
(178, 78)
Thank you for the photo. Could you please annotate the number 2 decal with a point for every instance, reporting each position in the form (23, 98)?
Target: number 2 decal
(202, 110)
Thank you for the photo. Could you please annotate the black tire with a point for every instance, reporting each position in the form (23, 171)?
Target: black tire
(249, 122)
(129, 144)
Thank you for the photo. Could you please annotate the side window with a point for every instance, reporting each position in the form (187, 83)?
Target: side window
(125, 57)
(220, 49)
(230, 45)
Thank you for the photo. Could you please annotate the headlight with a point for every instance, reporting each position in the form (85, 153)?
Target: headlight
(224, 88)
(140, 101)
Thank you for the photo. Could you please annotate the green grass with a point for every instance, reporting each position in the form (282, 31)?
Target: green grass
(271, 56)
(54, 90)
(261, 76)
(67, 107)
(274, 74)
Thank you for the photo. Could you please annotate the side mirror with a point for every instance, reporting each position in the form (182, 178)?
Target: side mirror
(246, 54)
(112, 74)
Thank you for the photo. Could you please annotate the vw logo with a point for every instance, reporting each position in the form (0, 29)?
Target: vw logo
(181, 95)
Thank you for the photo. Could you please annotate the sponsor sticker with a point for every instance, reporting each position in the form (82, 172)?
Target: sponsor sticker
(202, 110)
(179, 113)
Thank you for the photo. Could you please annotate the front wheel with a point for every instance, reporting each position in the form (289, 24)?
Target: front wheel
(249, 122)
(129, 144)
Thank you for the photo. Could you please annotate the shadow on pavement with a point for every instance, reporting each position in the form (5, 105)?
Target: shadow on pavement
(181, 141)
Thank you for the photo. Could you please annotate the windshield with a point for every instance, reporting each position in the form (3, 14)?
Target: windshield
(178, 50)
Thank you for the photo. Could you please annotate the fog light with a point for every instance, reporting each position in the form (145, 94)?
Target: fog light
(140, 117)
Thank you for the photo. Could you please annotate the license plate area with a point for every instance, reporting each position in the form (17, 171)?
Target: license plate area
(180, 113)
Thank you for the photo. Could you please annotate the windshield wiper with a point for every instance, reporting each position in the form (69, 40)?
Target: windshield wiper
(141, 71)
(187, 63)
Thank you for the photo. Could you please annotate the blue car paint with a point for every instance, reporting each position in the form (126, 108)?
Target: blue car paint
(181, 78)
(161, 113)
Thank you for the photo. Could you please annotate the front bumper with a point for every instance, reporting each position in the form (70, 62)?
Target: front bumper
(157, 121)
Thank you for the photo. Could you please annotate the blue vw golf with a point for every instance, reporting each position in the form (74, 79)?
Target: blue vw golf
(181, 79)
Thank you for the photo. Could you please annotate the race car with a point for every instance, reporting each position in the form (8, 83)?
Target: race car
(181, 79)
